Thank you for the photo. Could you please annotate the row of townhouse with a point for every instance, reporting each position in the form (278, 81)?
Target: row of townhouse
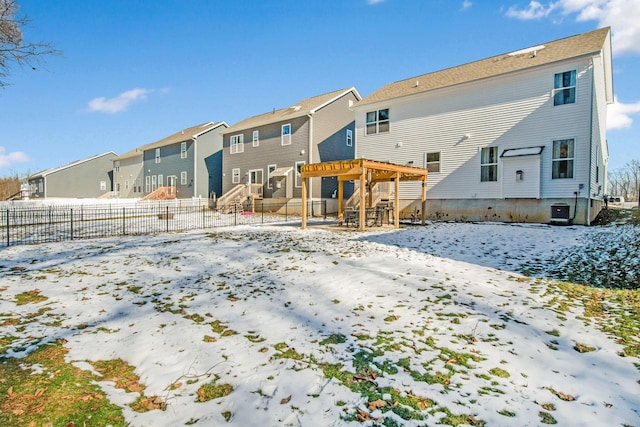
(515, 137)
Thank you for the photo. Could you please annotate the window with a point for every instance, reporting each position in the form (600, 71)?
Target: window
(183, 178)
(183, 150)
(235, 176)
(147, 184)
(564, 88)
(116, 166)
(562, 162)
(157, 155)
(237, 144)
(118, 186)
(103, 185)
(433, 162)
(286, 134)
(377, 121)
(154, 182)
(489, 164)
(126, 185)
(160, 180)
(299, 173)
(256, 138)
(270, 170)
(349, 138)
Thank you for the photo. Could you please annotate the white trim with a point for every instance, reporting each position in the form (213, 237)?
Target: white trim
(282, 134)
(269, 173)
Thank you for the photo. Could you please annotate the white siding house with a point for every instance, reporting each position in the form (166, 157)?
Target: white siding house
(508, 138)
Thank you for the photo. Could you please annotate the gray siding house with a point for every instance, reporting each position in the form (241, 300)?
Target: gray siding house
(88, 178)
(189, 162)
(518, 137)
(127, 174)
(264, 153)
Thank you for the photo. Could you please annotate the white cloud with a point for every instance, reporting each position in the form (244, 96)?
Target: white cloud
(374, 1)
(466, 4)
(9, 159)
(119, 103)
(535, 10)
(619, 114)
(621, 15)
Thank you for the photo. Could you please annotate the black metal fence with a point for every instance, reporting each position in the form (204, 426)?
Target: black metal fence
(31, 225)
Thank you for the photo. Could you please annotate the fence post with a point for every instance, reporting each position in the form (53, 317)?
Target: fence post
(202, 207)
(124, 231)
(8, 233)
(167, 217)
(71, 222)
(262, 209)
(286, 210)
(235, 215)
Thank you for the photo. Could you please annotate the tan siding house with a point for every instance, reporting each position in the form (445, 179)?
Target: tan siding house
(505, 138)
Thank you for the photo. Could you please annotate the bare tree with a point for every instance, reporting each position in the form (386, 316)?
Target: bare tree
(625, 181)
(13, 47)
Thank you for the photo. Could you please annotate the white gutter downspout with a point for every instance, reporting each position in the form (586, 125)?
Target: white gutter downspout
(195, 165)
(593, 89)
(310, 156)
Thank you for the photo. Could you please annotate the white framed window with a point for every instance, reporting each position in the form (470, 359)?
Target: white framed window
(157, 155)
(349, 138)
(270, 170)
(116, 165)
(256, 138)
(236, 144)
(286, 134)
(160, 180)
(562, 159)
(183, 178)
(377, 121)
(298, 181)
(255, 176)
(118, 186)
(564, 88)
(154, 182)
(433, 162)
(235, 176)
(489, 164)
(126, 184)
(147, 184)
(103, 185)
(183, 150)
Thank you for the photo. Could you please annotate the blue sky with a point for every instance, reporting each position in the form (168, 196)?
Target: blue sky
(134, 71)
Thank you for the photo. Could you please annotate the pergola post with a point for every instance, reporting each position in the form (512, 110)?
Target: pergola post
(396, 202)
(363, 182)
(424, 199)
(340, 201)
(304, 203)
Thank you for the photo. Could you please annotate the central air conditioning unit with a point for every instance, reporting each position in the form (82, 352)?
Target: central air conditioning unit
(560, 214)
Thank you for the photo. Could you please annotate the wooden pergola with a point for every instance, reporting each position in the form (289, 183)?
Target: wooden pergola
(368, 173)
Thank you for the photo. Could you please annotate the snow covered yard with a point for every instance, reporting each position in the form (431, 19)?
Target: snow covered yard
(422, 326)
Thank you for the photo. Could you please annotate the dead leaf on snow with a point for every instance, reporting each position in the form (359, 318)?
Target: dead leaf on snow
(285, 400)
(376, 404)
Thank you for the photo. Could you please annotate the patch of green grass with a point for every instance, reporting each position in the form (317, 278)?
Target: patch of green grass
(285, 352)
(554, 332)
(30, 297)
(60, 395)
(547, 418)
(583, 348)
(212, 390)
(507, 413)
(334, 339)
(497, 372)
